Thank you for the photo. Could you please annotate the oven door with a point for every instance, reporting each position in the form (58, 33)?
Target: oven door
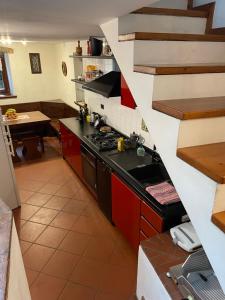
(89, 168)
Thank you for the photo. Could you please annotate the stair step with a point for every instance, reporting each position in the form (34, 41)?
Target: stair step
(195, 108)
(155, 36)
(219, 220)
(171, 12)
(162, 69)
(209, 159)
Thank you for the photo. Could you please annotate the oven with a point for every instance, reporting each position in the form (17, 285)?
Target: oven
(89, 167)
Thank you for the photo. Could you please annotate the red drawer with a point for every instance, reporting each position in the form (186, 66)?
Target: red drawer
(147, 228)
(143, 236)
(152, 217)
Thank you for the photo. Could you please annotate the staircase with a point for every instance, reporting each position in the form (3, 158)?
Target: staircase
(175, 68)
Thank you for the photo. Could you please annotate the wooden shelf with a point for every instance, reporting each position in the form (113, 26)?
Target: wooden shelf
(94, 57)
(80, 103)
(219, 220)
(171, 12)
(208, 159)
(155, 36)
(180, 69)
(195, 108)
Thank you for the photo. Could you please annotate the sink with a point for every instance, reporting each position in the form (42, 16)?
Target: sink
(149, 174)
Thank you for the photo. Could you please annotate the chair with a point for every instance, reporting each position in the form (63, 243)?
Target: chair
(30, 148)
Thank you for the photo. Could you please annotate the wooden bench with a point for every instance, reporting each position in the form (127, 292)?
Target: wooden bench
(54, 109)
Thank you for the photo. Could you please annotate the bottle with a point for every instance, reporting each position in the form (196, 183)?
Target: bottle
(120, 144)
(141, 150)
(78, 49)
(88, 48)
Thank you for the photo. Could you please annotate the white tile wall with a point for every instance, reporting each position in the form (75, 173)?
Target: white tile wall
(122, 118)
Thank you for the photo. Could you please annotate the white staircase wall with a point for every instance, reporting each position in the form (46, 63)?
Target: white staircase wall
(219, 16)
(168, 87)
(179, 4)
(178, 52)
(201, 132)
(195, 189)
(160, 23)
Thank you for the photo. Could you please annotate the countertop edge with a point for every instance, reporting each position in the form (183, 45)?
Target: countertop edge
(5, 242)
(162, 254)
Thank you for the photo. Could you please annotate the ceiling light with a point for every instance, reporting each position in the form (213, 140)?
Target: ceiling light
(3, 40)
(9, 41)
(24, 42)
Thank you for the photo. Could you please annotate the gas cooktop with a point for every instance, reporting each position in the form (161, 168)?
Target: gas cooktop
(104, 141)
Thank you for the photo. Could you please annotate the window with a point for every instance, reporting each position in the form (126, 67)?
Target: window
(4, 80)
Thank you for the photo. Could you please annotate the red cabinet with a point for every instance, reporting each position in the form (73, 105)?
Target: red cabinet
(71, 149)
(126, 206)
(126, 96)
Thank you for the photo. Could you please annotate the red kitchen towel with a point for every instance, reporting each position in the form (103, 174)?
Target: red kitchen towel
(163, 192)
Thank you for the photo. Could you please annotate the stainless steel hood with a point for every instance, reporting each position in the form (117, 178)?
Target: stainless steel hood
(108, 85)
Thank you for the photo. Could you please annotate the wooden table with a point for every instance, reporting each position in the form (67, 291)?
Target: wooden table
(28, 124)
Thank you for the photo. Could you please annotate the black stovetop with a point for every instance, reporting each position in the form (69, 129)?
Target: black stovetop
(104, 141)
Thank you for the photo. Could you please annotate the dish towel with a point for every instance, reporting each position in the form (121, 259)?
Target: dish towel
(164, 193)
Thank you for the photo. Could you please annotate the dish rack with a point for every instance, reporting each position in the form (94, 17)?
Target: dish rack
(196, 279)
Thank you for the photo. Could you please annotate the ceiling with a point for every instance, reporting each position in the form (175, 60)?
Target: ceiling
(60, 19)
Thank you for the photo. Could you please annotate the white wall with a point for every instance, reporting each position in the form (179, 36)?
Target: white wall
(219, 16)
(33, 87)
(179, 4)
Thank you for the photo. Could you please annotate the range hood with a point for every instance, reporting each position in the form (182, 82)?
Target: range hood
(108, 85)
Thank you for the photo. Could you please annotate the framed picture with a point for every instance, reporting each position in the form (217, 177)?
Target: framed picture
(35, 63)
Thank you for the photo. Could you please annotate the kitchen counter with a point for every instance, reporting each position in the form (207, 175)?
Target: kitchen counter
(121, 164)
(5, 237)
(163, 254)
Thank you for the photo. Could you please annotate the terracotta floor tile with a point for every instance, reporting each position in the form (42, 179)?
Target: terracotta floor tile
(27, 211)
(49, 188)
(51, 237)
(77, 292)
(47, 287)
(24, 246)
(44, 216)
(99, 249)
(88, 273)
(37, 256)
(118, 279)
(57, 202)
(64, 220)
(74, 207)
(85, 224)
(38, 199)
(106, 296)
(31, 231)
(65, 191)
(61, 264)
(25, 195)
(75, 243)
(59, 179)
(31, 276)
(31, 185)
(124, 258)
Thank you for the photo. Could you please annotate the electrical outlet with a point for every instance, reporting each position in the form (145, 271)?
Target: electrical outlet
(102, 106)
(143, 126)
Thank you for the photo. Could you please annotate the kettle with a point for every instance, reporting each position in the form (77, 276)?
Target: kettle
(134, 138)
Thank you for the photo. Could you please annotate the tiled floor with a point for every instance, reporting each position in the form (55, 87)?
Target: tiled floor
(70, 250)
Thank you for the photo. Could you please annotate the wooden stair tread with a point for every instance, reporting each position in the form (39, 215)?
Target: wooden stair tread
(219, 220)
(194, 108)
(171, 12)
(166, 69)
(209, 159)
(156, 36)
